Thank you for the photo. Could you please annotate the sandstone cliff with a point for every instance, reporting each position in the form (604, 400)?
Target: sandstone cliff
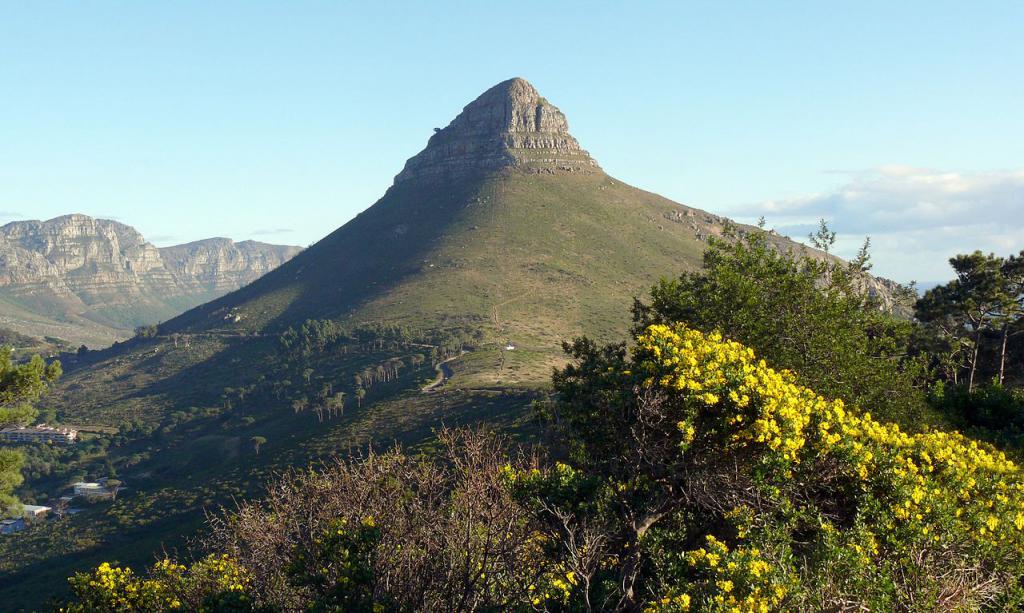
(508, 125)
(92, 280)
(220, 265)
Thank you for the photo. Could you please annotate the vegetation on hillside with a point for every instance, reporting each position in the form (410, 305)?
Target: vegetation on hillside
(20, 386)
(685, 471)
(974, 318)
(807, 314)
(970, 330)
(698, 478)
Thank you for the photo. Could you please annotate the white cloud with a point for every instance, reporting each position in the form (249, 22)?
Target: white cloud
(917, 218)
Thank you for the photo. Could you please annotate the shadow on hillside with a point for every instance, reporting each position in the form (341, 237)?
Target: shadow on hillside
(363, 259)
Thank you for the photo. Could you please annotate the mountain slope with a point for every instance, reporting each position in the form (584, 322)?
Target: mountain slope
(504, 225)
(92, 280)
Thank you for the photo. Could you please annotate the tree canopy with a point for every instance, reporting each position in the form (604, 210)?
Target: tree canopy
(20, 386)
(810, 314)
(985, 299)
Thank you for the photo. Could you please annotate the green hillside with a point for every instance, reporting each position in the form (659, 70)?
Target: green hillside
(528, 258)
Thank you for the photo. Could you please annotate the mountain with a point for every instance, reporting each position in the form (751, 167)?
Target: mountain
(92, 281)
(497, 242)
(504, 225)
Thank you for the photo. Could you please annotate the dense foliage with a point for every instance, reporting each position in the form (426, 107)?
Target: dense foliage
(390, 532)
(21, 384)
(709, 457)
(812, 315)
(970, 322)
(690, 474)
(215, 583)
(699, 478)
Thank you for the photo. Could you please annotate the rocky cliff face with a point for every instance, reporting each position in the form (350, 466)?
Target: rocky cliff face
(77, 277)
(221, 265)
(76, 255)
(509, 125)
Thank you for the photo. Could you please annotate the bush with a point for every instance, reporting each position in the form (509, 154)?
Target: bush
(390, 531)
(731, 485)
(811, 315)
(216, 583)
(990, 405)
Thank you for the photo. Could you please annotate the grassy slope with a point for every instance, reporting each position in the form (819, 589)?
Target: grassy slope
(40, 316)
(535, 259)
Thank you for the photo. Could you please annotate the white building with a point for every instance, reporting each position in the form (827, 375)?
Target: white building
(35, 512)
(39, 434)
(90, 489)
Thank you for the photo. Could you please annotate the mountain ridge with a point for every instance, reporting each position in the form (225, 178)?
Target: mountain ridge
(92, 280)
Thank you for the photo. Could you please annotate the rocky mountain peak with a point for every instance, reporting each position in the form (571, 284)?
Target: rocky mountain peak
(509, 125)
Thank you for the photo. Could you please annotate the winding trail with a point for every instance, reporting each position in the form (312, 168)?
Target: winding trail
(444, 372)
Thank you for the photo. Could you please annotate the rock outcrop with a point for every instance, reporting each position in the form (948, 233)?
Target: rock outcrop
(509, 125)
(221, 265)
(103, 278)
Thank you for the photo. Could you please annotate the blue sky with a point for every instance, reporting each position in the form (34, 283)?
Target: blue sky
(281, 121)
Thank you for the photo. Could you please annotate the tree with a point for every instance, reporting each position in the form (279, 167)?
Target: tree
(335, 404)
(60, 508)
(978, 301)
(108, 466)
(257, 442)
(810, 314)
(20, 386)
(1012, 317)
(147, 331)
(360, 394)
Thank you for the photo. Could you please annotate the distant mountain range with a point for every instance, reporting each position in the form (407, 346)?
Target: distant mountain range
(91, 281)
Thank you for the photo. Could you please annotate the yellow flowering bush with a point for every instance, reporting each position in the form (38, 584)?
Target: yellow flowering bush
(214, 583)
(736, 580)
(861, 491)
(112, 588)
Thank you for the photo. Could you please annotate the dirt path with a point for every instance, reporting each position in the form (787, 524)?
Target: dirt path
(496, 316)
(444, 372)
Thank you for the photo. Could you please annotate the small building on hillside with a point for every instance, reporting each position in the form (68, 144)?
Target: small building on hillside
(34, 512)
(510, 346)
(10, 526)
(90, 490)
(39, 434)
